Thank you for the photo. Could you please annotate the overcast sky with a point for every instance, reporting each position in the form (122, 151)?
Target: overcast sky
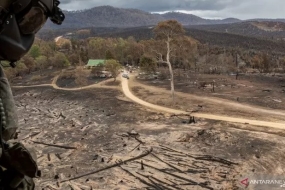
(242, 9)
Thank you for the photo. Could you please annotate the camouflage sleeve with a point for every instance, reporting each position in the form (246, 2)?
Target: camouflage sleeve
(8, 114)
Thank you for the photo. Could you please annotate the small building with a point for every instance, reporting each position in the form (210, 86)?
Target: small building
(94, 63)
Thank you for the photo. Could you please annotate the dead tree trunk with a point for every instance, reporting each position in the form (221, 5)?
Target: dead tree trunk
(170, 68)
(192, 120)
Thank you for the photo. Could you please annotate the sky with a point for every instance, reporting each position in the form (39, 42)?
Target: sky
(215, 9)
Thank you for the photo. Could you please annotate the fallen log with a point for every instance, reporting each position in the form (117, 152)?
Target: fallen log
(111, 166)
(135, 147)
(138, 178)
(215, 159)
(54, 145)
(191, 182)
(157, 186)
(167, 163)
(202, 157)
(161, 183)
(140, 141)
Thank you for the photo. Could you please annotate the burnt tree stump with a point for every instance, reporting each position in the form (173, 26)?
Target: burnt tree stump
(192, 120)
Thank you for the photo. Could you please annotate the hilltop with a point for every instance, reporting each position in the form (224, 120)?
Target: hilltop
(108, 16)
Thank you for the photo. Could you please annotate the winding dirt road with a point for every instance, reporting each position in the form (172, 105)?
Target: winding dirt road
(54, 85)
(220, 101)
(129, 94)
(57, 38)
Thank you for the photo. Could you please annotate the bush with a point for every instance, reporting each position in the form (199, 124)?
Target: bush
(81, 76)
(148, 65)
(59, 60)
(113, 67)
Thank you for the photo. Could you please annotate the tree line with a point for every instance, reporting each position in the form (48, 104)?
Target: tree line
(170, 44)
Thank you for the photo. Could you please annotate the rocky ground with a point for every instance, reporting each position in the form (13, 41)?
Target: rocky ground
(100, 127)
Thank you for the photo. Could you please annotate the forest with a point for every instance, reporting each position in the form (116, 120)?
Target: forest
(194, 54)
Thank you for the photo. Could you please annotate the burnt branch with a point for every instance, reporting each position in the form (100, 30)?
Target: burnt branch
(167, 163)
(54, 145)
(203, 157)
(147, 152)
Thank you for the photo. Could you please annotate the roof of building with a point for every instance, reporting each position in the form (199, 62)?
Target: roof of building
(95, 62)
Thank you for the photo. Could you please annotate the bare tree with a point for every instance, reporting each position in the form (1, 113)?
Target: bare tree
(168, 31)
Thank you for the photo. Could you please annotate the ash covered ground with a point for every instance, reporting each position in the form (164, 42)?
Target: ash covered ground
(102, 128)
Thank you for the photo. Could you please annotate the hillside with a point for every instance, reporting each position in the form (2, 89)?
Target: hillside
(237, 41)
(212, 38)
(108, 16)
(189, 19)
(206, 37)
(265, 29)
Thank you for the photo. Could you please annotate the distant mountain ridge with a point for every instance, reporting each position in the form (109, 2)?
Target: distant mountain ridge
(108, 16)
(111, 17)
(264, 29)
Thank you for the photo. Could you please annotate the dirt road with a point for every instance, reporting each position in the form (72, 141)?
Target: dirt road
(54, 85)
(57, 38)
(220, 101)
(128, 93)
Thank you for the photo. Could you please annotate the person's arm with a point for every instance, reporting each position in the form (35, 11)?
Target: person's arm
(8, 115)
